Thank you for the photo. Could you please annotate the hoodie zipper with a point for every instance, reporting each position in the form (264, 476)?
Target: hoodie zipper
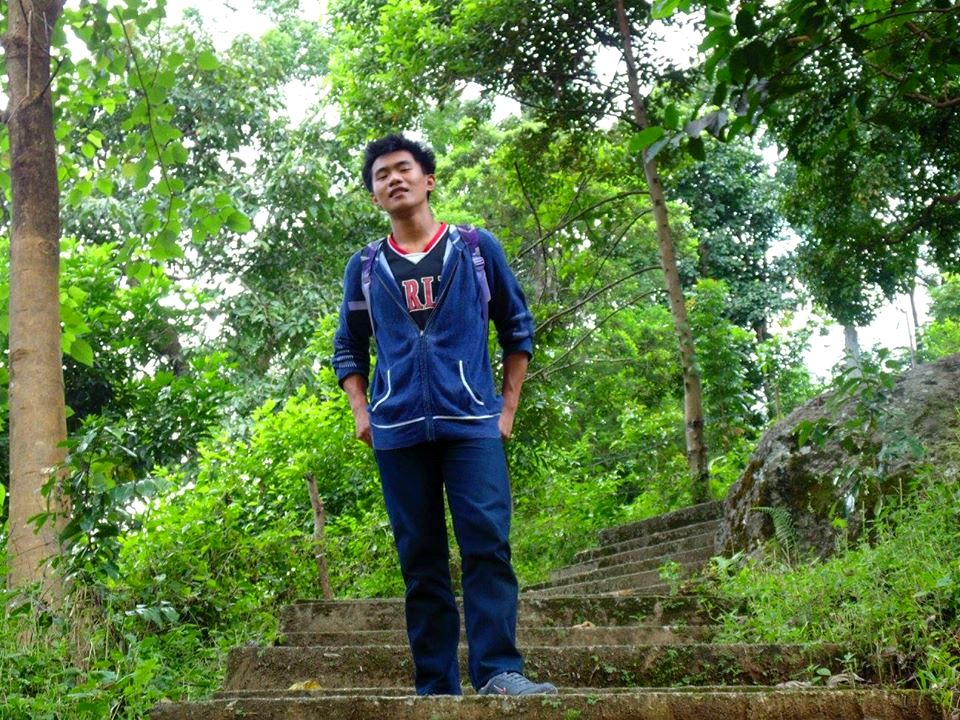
(421, 353)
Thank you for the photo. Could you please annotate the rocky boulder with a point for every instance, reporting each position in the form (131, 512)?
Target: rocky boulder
(835, 456)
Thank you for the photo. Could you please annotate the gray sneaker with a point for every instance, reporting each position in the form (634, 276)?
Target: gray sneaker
(513, 683)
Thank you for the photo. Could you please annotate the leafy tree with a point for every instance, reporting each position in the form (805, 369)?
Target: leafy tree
(733, 198)
(941, 336)
(865, 98)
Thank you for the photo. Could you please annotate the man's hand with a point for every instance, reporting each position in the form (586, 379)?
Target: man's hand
(514, 371)
(361, 419)
(356, 388)
(506, 424)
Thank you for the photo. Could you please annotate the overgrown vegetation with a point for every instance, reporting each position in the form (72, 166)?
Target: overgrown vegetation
(893, 601)
(205, 230)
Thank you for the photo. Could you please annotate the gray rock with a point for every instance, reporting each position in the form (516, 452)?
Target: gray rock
(813, 482)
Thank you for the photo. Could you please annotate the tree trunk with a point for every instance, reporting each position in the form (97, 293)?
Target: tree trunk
(916, 347)
(37, 421)
(319, 538)
(851, 347)
(692, 392)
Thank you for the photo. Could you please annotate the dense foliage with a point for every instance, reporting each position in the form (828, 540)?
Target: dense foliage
(206, 224)
(893, 601)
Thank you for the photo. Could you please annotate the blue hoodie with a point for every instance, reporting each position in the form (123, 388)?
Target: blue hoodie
(437, 383)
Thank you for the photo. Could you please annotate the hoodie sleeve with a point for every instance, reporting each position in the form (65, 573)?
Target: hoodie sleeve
(508, 305)
(351, 342)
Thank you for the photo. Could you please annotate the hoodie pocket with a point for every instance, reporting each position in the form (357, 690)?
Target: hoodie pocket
(383, 398)
(466, 385)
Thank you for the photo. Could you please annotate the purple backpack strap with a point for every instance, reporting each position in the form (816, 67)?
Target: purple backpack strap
(367, 257)
(471, 237)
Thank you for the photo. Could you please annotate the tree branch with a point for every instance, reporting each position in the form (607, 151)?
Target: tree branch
(585, 211)
(613, 246)
(923, 217)
(153, 135)
(580, 340)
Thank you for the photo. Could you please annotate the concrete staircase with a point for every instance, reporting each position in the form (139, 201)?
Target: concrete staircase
(602, 629)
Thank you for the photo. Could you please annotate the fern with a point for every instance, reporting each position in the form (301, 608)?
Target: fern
(783, 527)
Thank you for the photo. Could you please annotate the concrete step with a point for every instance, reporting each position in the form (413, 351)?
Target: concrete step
(579, 635)
(695, 558)
(680, 533)
(703, 541)
(278, 668)
(646, 582)
(669, 521)
(765, 704)
(560, 611)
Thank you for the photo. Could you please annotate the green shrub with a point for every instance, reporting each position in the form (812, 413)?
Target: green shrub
(892, 601)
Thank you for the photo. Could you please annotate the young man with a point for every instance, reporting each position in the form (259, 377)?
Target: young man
(434, 418)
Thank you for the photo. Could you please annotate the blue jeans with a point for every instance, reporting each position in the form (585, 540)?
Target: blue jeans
(474, 473)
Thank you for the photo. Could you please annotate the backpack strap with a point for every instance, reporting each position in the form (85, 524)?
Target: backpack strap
(471, 238)
(367, 257)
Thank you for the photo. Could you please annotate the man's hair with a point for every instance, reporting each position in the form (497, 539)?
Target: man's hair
(392, 143)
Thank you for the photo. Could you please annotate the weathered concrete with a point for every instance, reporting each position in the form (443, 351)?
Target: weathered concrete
(648, 705)
(579, 635)
(275, 668)
(657, 538)
(647, 582)
(704, 541)
(383, 614)
(692, 559)
(622, 656)
(678, 518)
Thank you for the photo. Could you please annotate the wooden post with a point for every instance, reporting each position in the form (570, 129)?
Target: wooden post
(319, 540)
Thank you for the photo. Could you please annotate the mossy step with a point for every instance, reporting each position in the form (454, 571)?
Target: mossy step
(647, 582)
(702, 542)
(764, 704)
(564, 611)
(276, 668)
(669, 521)
(691, 559)
(584, 634)
(707, 527)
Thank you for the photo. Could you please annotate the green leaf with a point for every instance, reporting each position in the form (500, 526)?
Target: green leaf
(104, 185)
(718, 18)
(663, 9)
(239, 223)
(644, 139)
(81, 351)
(696, 149)
(211, 224)
(207, 61)
(138, 271)
(165, 133)
(746, 25)
(166, 247)
(671, 116)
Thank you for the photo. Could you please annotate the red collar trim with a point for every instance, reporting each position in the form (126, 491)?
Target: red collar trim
(428, 248)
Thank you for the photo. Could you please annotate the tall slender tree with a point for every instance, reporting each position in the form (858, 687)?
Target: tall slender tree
(37, 419)
(692, 388)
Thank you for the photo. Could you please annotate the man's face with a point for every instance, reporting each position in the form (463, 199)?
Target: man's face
(399, 183)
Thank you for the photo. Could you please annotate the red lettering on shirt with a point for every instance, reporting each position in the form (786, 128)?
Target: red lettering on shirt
(411, 289)
(427, 291)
